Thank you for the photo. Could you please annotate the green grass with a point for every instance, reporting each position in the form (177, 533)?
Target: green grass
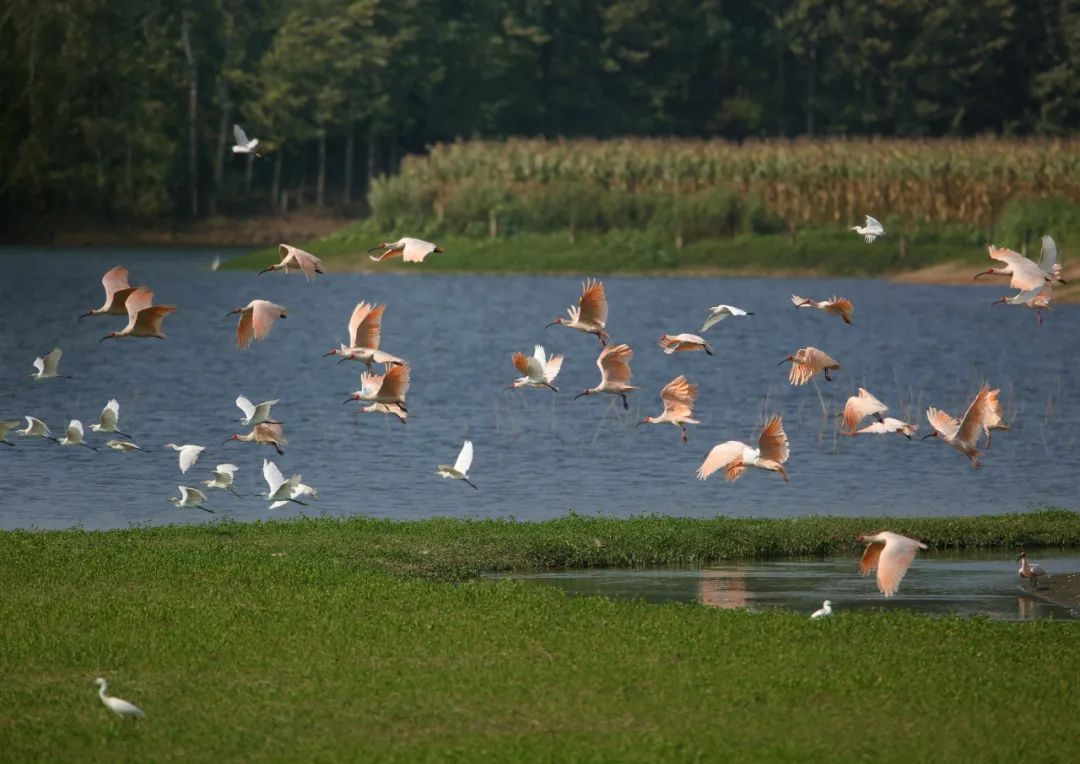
(642, 252)
(367, 640)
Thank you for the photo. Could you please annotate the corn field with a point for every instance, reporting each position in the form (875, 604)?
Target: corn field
(710, 187)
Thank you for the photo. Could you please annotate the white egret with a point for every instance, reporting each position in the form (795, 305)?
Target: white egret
(460, 468)
(108, 420)
(190, 498)
(189, 454)
(118, 706)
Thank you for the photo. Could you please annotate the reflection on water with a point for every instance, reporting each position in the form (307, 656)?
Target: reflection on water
(972, 583)
(538, 453)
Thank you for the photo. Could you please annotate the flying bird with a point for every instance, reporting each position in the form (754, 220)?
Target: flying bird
(963, 434)
(860, 406)
(223, 478)
(279, 490)
(460, 468)
(807, 362)
(886, 426)
(365, 334)
(386, 408)
(391, 389)
(243, 145)
(122, 445)
(5, 426)
(47, 366)
(144, 318)
(1029, 571)
(1025, 275)
(410, 250)
(678, 398)
(870, 231)
(589, 316)
(680, 343)
(35, 428)
(891, 554)
(189, 454)
(1037, 299)
(255, 414)
(837, 306)
(190, 498)
(256, 320)
(734, 456)
(718, 313)
(265, 434)
(536, 370)
(117, 291)
(297, 259)
(118, 706)
(614, 365)
(824, 612)
(73, 436)
(108, 420)
(992, 420)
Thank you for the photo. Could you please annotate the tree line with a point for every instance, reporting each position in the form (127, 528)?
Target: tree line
(124, 108)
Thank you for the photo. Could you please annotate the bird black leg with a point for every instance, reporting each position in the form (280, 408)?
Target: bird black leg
(471, 483)
(827, 377)
(682, 435)
(278, 449)
(625, 403)
(877, 416)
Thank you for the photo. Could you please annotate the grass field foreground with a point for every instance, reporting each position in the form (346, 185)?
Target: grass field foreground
(303, 641)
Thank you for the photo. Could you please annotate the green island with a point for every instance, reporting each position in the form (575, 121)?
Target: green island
(690, 207)
(362, 639)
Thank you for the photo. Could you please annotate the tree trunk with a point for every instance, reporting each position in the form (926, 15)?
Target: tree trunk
(275, 184)
(350, 149)
(370, 162)
(780, 90)
(226, 116)
(320, 177)
(193, 113)
(248, 168)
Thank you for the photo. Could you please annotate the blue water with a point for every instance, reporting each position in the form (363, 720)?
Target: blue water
(538, 454)
(975, 582)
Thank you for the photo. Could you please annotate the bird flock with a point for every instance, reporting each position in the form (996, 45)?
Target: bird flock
(385, 390)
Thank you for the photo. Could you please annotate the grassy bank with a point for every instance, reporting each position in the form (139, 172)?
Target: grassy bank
(303, 641)
(811, 252)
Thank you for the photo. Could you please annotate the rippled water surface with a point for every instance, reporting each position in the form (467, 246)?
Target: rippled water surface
(972, 583)
(537, 454)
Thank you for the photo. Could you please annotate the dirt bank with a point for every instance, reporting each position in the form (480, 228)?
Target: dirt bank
(963, 273)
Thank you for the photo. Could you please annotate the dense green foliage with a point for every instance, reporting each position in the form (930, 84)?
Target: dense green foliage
(124, 109)
(292, 642)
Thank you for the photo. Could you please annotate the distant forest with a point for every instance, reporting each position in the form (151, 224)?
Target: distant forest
(123, 109)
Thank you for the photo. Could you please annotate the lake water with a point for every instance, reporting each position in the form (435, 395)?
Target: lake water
(981, 582)
(538, 454)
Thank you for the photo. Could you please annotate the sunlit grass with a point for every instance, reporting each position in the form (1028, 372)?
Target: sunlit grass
(372, 640)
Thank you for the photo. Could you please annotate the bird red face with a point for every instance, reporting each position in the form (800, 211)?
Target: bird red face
(353, 397)
(646, 420)
(585, 392)
(268, 268)
(380, 245)
(987, 272)
(861, 538)
(331, 351)
(234, 436)
(931, 435)
(556, 321)
(999, 300)
(89, 312)
(109, 336)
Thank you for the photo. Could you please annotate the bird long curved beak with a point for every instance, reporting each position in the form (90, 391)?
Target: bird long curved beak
(90, 313)
(789, 358)
(350, 399)
(924, 437)
(374, 249)
(225, 441)
(977, 275)
(551, 324)
(232, 312)
(578, 396)
(106, 337)
(264, 270)
(332, 352)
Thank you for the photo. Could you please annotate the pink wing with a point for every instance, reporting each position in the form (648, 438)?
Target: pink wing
(726, 456)
(114, 280)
